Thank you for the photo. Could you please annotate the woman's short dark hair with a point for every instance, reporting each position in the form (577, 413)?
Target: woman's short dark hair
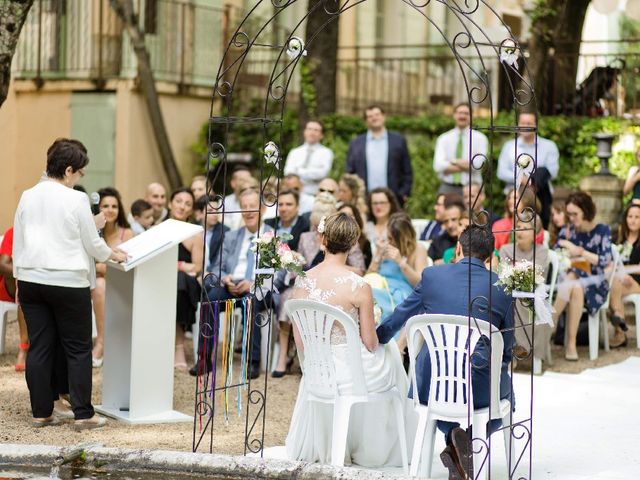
(391, 197)
(182, 190)
(121, 219)
(63, 153)
(584, 202)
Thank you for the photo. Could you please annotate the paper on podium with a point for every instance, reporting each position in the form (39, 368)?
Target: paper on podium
(154, 241)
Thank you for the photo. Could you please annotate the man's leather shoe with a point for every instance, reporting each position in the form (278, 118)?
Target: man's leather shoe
(450, 460)
(462, 446)
(196, 370)
(254, 371)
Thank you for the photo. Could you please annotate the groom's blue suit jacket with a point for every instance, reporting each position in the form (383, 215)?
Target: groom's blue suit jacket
(445, 289)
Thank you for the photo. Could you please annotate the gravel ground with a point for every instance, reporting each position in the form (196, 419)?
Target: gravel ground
(15, 412)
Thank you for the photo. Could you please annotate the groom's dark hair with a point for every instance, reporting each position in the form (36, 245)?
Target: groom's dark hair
(477, 241)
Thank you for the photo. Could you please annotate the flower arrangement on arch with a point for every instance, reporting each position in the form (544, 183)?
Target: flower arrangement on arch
(522, 280)
(274, 254)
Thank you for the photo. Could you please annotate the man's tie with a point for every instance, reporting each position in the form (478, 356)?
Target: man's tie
(251, 260)
(457, 176)
(307, 159)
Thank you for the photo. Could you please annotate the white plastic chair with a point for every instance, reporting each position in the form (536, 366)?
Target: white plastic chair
(449, 340)
(635, 299)
(419, 225)
(314, 321)
(5, 308)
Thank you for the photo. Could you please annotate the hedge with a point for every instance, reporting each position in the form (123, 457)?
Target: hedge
(573, 135)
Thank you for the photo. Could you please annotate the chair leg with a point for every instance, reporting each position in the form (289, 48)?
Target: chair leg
(397, 405)
(481, 458)
(594, 330)
(3, 327)
(537, 366)
(427, 448)
(604, 329)
(341, 414)
(418, 443)
(509, 447)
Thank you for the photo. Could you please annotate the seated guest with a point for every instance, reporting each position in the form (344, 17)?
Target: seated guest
(288, 220)
(309, 244)
(189, 269)
(213, 228)
(328, 185)
(351, 190)
(400, 261)
(589, 246)
(522, 249)
(199, 186)
(382, 203)
(232, 273)
(558, 220)
(141, 216)
(8, 294)
(292, 181)
(434, 227)
(157, 197)
(528, 205)
(363, 242)
(449, 254)
(448, 239)
(625, 283)
(241, 178)
(447, 289)
(474, 198)
(116, 231)
(632, 183)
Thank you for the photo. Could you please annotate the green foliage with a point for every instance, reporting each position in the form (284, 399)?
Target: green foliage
(573, 136)
(630, 50)
(307, 87)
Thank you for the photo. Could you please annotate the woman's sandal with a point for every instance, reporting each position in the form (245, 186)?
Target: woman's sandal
(21, 367)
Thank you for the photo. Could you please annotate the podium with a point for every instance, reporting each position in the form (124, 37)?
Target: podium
(140, 325)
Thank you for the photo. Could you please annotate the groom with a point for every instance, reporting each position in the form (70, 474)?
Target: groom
(451, 289)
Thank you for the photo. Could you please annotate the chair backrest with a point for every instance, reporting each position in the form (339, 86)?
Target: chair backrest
(314, 321)
(419, 225)
(554, 263)
(450, 339)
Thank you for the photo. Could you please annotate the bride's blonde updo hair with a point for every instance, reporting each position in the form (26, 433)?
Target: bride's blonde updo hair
(341, 232)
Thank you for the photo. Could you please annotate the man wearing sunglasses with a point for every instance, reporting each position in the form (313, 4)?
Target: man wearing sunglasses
(381, 158)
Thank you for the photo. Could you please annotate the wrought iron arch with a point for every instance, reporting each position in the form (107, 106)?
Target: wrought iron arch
(471, 47)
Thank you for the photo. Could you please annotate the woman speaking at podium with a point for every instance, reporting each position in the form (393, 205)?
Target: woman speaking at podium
(55, 238)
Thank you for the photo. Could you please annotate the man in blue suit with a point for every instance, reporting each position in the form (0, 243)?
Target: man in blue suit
(462, 288)
(233, 270)
(381, 158)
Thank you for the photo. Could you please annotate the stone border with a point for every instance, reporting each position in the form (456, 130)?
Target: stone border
(222, 466)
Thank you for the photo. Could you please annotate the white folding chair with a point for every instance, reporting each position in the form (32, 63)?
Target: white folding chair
(314, 321)
(5, 308)
(449, 340)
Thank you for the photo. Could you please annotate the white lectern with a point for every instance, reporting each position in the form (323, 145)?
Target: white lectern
(140, 327)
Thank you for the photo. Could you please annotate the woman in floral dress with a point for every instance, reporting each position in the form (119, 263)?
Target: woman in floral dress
(589, 247)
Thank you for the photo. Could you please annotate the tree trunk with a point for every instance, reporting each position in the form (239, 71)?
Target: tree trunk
(13, 13)
(124, 10)
(319, 69)
(554, 48)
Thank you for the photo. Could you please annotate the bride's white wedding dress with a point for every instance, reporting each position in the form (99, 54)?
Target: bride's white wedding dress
(373, 434)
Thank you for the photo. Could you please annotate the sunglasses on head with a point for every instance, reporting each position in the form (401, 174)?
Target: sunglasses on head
(326, 190)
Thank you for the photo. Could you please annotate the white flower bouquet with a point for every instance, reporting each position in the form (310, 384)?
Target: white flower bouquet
(521, 280)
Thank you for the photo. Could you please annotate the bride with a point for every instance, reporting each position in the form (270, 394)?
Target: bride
(373, 435)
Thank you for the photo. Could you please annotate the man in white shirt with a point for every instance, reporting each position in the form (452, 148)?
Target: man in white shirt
(543, 150)
(452, 157)
(311, 161)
